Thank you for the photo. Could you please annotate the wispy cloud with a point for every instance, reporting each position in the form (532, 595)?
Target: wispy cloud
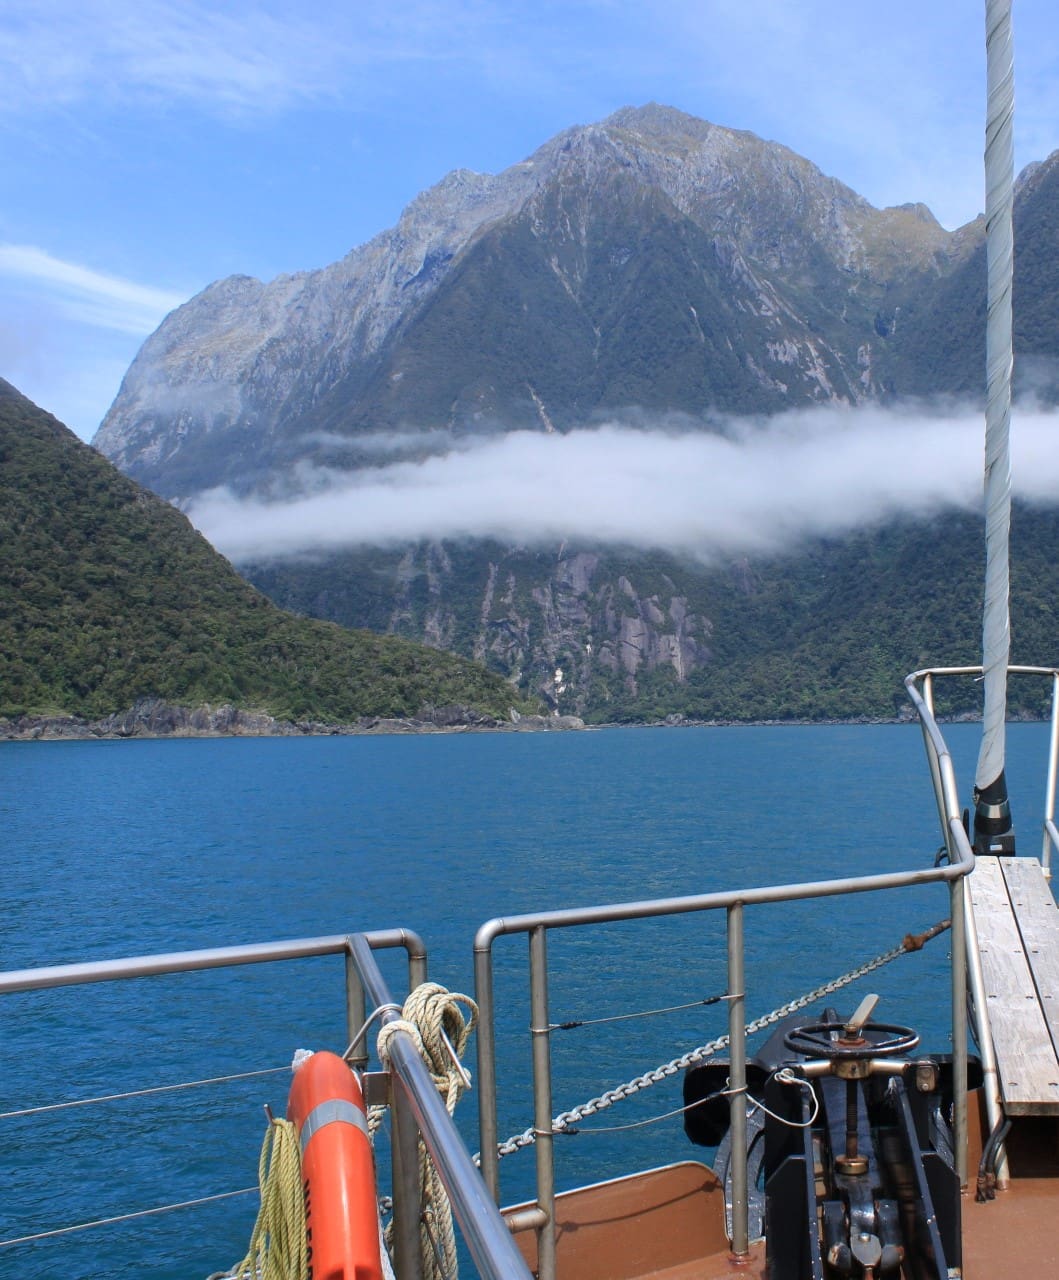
(57, 52)
(257, 56)
(758, 488)
(90, 297)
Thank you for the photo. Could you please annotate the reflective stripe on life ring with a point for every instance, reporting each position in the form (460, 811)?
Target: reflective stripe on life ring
(338, 1171)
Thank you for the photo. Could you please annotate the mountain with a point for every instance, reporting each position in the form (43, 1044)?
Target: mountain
(109, 596)
(939, 336)
(652, 262)
(648, 266)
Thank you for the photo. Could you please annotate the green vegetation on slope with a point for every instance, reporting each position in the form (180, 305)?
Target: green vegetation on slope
(108, 595)
(828, 631)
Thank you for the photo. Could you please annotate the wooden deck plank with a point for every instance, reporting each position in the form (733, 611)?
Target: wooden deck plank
(1026, 1058)
(1038, 921)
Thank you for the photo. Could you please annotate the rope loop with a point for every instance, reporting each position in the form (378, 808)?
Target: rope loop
(278, 1248)
(440, 1023)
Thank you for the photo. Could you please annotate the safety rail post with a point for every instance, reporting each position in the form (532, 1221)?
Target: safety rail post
(958, 980)
(540, 1030)
(1051, 835)
(934, 762)
(963, 925)
(356, 1016)
(488, 1130)
(737, 1081)
(404, 1165)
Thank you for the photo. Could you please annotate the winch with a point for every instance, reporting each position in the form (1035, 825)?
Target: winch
(852, 1171)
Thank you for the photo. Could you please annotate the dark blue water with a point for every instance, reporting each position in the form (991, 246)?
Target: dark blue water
(119, 848)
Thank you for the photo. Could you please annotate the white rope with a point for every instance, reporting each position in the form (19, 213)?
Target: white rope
(999, 179)
(786, 1076)
(434, 1018)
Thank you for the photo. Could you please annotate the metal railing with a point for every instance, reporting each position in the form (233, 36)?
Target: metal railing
(920, 687)
(415, 1105)
(734, 904)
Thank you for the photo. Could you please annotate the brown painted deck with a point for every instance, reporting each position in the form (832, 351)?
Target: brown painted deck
(667, 1224)
(1014, 1235)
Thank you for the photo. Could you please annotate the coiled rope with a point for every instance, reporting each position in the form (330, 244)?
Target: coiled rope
(566, 1121)
(434, 1017)
(278, 1249)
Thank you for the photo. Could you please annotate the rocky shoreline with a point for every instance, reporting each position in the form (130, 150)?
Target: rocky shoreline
(153, 718)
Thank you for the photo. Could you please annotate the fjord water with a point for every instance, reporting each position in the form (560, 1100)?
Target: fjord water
(131, 848)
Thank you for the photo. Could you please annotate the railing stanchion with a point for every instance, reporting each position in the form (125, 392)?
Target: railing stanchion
(542, 1100)
(737, 1081)
(488, 1134)
(356, 1014)
(1049, 799)
(404, 1153)
(958, 971)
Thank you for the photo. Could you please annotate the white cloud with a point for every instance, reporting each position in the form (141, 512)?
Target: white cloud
(759, 488)
(90, 297)
(259, 56)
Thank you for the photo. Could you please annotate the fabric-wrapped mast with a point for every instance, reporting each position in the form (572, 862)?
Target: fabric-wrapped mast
(992, 818)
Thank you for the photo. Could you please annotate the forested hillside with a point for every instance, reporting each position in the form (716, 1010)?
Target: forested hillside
(108, 595)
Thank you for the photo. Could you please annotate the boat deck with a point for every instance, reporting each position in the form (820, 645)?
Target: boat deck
(1018, 939)
(1014, 1235)
(665, 1224)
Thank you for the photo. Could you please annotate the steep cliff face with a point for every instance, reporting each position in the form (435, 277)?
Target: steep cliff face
(653, 261)
(582, 629)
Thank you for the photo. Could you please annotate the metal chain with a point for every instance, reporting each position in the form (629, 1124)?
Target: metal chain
(566, 1119)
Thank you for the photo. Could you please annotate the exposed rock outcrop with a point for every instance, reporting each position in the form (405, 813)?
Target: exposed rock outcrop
(154, 718)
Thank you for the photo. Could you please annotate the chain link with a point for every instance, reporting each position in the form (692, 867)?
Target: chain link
(564, 1122)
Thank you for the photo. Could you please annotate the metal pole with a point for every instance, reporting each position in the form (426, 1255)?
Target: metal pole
(990, 1074)
(487, 1124)
(958, 967)
(1049, 799)
(932, 758)
(356, 1015)
(737, 1081)
(542, 1100)
(404, 1154)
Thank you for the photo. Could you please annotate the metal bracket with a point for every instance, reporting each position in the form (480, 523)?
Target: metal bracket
(376, 1088)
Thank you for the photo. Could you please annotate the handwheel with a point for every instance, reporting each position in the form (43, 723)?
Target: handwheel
(876, 1040)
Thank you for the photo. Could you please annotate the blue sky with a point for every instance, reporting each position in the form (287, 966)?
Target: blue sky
(152, 147)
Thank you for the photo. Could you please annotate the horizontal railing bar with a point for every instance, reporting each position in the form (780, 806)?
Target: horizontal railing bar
(650, 908)
(65, 975)
(977, 671)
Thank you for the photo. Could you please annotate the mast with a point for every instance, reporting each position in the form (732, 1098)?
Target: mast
(992, 817)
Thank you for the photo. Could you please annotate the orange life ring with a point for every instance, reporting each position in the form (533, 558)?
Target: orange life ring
(338, 1171)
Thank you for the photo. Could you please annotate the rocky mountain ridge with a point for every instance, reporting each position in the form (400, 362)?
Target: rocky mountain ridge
(775, 274)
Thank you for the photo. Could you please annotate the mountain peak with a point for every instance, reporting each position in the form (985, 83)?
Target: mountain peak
(512, 300)
(656, 120)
